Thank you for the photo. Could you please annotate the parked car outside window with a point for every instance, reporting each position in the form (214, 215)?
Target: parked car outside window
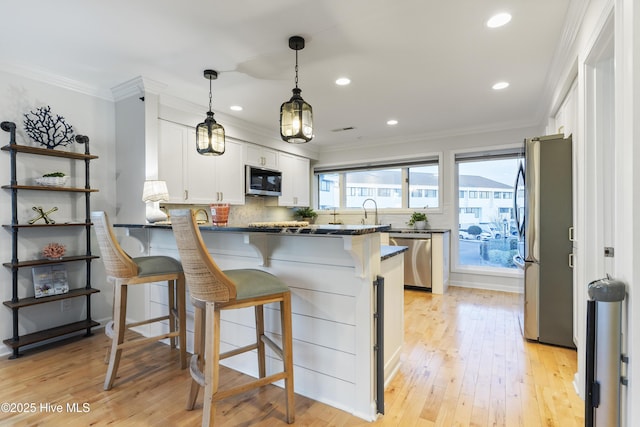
(493, 231)
(464, 234)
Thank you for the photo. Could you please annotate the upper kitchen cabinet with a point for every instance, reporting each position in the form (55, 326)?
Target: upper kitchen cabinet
(261, 156)
(295, 180)
(196, 179)
(566, 117)
(171, 142)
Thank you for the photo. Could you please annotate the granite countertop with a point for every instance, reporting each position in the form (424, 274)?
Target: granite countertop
(390, 251)
(325, 229)
(412, 230)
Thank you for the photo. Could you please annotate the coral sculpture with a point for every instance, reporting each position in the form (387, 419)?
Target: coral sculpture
(47, 130)
(54, 250)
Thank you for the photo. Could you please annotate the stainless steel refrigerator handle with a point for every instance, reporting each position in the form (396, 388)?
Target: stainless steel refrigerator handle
(533, 159)
(571, 260)
(515, 199)
(571, 238)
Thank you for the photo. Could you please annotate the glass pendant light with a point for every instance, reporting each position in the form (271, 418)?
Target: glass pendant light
(296, 116)
(209, 134)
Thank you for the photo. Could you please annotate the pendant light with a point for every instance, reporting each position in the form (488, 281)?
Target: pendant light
(209, 134)
(296, 116)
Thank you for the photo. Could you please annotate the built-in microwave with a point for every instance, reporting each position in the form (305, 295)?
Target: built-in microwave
(263, 182)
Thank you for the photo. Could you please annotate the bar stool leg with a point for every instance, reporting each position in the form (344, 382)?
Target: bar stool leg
(182, 319)
(212, 363)
(287, 351)
(259, 312)
(171, 290)
(119, 328)
(198, 353)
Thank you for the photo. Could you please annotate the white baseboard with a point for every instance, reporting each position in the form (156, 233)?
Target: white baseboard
(485, 286)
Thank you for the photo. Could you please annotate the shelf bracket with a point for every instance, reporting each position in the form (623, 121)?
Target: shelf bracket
(354, 245)
(259, 244)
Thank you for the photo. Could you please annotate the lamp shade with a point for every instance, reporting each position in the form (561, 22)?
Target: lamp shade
(155, 191)
(210, 137)
(296, 119)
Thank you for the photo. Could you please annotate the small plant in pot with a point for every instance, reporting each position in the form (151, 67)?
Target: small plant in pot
(53, 179)
(305, 214)
(418, 220)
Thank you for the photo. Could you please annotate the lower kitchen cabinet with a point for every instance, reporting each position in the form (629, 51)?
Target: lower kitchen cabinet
(440, 261)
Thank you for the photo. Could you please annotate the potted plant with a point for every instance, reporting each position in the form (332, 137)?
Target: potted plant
(418, 220)
(53, 179)
(305, 214)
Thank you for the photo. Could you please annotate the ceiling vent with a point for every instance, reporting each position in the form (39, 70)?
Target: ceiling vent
(343, 129)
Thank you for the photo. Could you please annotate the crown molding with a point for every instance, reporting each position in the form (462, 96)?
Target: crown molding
(55, 80)
(369, 143)
(564, 56)
(137, 86)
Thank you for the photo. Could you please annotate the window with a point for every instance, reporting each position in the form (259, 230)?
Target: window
(414, 185)
(367, 183)
(476, 212)
(385, 192)
(486, 217)
(423, 186)
(329, 191)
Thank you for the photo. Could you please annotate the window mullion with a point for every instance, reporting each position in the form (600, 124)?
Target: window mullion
(405, 187)
(342, 180)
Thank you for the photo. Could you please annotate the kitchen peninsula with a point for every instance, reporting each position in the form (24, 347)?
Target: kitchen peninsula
(333, 272)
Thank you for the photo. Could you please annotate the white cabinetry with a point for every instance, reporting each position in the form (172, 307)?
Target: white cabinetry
(440, 262)
(170, 159)
(260, 156)
(566, 116)
(196, 179)
(295, 180)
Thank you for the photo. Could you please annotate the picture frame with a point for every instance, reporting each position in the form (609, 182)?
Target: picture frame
(50, 280)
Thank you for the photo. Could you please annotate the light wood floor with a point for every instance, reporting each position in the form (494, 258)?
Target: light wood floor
(465, 363)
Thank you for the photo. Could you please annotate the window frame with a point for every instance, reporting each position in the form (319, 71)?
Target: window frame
(480, 152)
(432, 159)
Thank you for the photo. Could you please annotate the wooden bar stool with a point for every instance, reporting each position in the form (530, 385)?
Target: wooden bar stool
(123, 271)
(213, 290)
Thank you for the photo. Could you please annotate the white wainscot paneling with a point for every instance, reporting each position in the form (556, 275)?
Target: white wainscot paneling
(331, 304)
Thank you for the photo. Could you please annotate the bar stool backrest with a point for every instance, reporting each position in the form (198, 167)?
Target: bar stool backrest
(117, 262)
(206, 281)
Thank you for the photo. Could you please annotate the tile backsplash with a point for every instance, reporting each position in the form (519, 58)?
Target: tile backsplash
(255, 209)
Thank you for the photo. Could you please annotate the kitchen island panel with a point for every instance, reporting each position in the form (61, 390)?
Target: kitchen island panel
(331, 281)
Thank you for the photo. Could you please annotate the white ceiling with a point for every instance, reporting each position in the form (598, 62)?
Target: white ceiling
(430, 64)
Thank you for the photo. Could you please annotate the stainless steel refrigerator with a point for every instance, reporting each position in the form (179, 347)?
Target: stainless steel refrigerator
(544, 218)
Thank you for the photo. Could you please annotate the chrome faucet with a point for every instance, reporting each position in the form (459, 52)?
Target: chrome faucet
(376, 211)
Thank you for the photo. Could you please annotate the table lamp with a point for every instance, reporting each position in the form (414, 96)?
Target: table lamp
(153, 193)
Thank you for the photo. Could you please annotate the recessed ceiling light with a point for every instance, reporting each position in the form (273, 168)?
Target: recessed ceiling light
(343, 81)
(500, 86)
(236, 108)
(392, 122)
(498, 20)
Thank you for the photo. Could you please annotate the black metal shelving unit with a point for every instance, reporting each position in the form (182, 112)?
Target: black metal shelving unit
(16, 303)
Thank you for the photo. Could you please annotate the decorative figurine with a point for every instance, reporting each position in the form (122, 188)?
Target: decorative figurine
(54, 250)
(43, 215)
(51, 132)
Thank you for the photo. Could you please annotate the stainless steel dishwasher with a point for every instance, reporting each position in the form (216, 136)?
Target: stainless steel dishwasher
(417, 259)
